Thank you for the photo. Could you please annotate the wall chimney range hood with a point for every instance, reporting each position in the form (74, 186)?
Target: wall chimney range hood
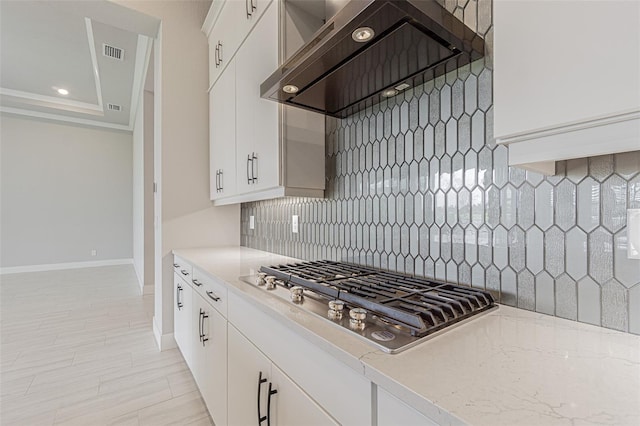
(370, 50)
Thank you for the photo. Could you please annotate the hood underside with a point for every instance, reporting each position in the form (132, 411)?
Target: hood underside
(415, 41)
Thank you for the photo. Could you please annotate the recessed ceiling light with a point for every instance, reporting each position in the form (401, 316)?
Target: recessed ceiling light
(63, 91)
(290, 88)
(389, 93)
(363, 34)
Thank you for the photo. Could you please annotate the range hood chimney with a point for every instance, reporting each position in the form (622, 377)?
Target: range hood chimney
(369, 50)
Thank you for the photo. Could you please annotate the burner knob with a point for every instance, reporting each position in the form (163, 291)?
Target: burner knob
(358, 315)
(296, 294)
(335, 309)
(271, 282)
(261, 278)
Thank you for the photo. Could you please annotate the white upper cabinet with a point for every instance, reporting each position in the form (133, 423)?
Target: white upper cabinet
(259, 149)
(566, 79)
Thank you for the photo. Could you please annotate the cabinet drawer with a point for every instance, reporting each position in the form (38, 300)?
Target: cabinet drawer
(182, 268)
(211, 290)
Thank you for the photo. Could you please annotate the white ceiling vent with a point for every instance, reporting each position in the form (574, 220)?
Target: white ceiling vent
(113, 107)
(113, 52)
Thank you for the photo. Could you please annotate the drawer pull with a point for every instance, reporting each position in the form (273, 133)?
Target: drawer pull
(184, 272)
(213, 296)
(196, 282)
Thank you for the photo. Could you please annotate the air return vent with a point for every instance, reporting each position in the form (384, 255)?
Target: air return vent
(113, 52)
(114, 107)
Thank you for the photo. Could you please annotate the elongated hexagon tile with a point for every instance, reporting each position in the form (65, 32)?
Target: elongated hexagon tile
(577, 169)
(429, 140)
(508, 287)
(627, 164)
(565, 207)
(425, 241)
(554, 251)
(500, 247)
(477, 131)
(517, 176)
(457, 98)
(601, 167)
(634, 193)
(441, 270)
(492, 206)
(477, 207)
(445, 173)
(535, 250)
(451, 137)
(485, 167)
(589, 301)
(516, 248)
(526, 206)
(471, 169)
(434, 174)
(457, 244)
(588, 199)
(614, 203)
(526, 290)
(400, 208)
(576, 253)
(545, 294)
(544, 206)
(452, 271)
(457, 171)
(470, 94)
(445, 243)
(615, 312)
(464, 134)
(434, 240)
(500, 165)
(477, 276)
(464, 207)
(464, 274)
(452, 208)
(566, 298)
(601, 255)
(471, 245)
(492, 284)
(626, 271)
(485, 246)
(508, 206)
(634, 310)
(534, 178)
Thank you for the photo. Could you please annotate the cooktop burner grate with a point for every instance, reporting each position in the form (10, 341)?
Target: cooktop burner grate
(423, 306)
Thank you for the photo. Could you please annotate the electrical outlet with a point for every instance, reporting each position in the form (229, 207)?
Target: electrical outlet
(633, 233)
(252, 222)
(294, 224)
(94, 252)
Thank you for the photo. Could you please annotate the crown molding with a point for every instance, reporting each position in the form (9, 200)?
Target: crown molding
(64, 118)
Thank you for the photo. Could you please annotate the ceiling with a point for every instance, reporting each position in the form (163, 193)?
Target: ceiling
(51, 45)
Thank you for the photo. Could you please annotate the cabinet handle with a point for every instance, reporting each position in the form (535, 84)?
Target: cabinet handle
(196, 282)
(184, 272)
(178, 302)
(254, 167)
(261, 418)
(217, 180)
(200, 325)
(204, 316)
(246, 7)
(175, 265)
(215, 56)
(221, 177)
(220, 52)
(271, 392)
(248, 160)
(253, 7)
(213, 296)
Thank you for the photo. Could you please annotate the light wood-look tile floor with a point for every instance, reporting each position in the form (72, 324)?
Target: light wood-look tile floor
(77, 348)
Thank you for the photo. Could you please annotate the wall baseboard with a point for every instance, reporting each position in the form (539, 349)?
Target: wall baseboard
(164, 341)
(59, 266)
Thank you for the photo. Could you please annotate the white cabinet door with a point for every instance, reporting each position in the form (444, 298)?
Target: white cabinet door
(225, 38)
(248, 386)
(257, 134)
(210, 358)
(222, 130)
(393, 412)
(253, 10)
(182, 308)
(291, 406)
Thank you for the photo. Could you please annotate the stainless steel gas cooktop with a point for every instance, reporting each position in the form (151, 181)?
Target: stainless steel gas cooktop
(390, 310)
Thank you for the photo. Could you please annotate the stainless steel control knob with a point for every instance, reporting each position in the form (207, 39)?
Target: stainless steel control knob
(261, 278)
(357, 318)
(271, 282)
(335, 309)
(296, 294)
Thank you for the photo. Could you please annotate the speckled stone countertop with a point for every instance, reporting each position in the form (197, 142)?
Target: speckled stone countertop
(507, 367)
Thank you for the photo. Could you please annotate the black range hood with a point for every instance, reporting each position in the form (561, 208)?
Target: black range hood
(414, 42)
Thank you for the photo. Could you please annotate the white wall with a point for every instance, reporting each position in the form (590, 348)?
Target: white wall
(182, 134)
(65, 190)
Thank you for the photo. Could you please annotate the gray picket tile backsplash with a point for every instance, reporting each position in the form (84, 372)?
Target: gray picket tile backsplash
(417, 184)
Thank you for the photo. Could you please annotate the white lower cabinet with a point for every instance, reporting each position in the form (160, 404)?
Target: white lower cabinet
(394, 412)
(182, 312)
(209, 343)
(260, 393)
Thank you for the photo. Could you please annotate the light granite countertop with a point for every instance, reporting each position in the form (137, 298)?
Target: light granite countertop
(507, 367)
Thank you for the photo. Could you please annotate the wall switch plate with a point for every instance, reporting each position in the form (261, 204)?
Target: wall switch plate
(252, 222)
(633, 233)
(94, 252)
(294, 224)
